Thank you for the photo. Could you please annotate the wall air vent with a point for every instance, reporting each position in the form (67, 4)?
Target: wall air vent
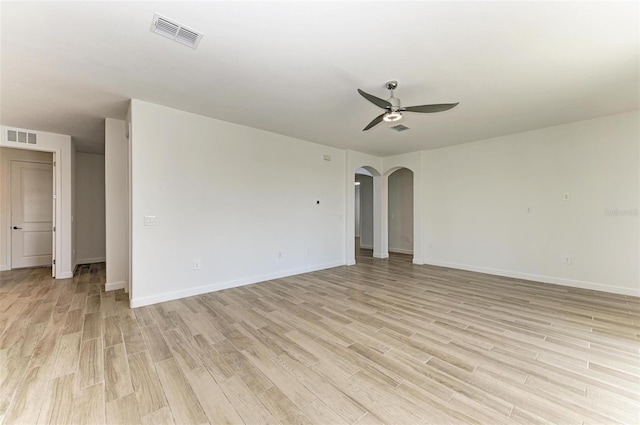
(399, 127)
(27, 137)
(175, 31)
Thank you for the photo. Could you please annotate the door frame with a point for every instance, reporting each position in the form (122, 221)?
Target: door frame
(57, 207)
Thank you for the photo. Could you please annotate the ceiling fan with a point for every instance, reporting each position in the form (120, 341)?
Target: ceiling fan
(393, 108)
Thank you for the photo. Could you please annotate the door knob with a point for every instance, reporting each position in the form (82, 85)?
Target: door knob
(16, 228)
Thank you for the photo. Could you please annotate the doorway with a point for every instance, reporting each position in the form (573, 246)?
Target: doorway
(364, 215)
(364, 212)
(28, 209)
(400, 211)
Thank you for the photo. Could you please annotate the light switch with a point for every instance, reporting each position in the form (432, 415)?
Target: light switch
(149, 220)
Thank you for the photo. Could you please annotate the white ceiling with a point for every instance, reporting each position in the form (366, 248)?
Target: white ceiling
(293, 67)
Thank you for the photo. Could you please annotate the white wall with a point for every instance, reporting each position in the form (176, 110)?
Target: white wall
(116, 191)
(366, 210)
(6, 156)
(471, 201)
(231, 197)
(400, 192)
(64, 151)
(90, 208)
(476, 196)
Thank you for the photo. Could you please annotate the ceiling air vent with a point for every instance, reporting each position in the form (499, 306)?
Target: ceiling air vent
(175, 31)
(399, 127)
(21, 136)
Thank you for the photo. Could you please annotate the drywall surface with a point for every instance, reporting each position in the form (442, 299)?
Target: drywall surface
(64, 150)
(6, 156)
(241, 205)
(521, 205)
(400, 215)
(90, 208)
(116, 168)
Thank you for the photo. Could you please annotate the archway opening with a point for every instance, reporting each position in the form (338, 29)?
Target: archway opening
(364, 211)
(400, 213)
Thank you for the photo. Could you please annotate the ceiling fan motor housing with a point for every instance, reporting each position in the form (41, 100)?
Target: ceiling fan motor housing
(395, 103)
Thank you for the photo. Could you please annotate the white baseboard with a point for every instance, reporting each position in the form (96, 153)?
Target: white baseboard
(401, 251)
(4, 267)
(174, 295)
(351, 262)
(397, 250)
(417, 261)
(380, 255)
(539, 278)
(91, 260)
(112, 286)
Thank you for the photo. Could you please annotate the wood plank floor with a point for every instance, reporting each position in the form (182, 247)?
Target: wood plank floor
(382, 342)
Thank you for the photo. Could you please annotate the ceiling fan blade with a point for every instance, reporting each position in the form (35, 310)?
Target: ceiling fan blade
(430, 108)
(377, 120)
(375, 100)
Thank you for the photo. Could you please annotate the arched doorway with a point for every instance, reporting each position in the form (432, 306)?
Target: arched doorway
(400, 211)
(367, 218)
(363, 186)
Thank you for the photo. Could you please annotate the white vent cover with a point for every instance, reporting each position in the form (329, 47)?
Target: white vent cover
(15, 135)
(399, 127)
(175, 31)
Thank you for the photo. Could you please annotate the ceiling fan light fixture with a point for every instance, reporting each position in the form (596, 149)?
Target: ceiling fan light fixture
(393, 116)
(393, 107)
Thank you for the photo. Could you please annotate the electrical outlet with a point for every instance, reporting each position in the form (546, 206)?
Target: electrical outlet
(279, 254)
(566, 259)
(196, 264)
(529, 210)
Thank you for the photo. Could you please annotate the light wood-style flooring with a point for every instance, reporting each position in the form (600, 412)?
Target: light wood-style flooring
(382, 342)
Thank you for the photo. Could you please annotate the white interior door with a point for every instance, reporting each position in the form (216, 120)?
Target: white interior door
(31, 214)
